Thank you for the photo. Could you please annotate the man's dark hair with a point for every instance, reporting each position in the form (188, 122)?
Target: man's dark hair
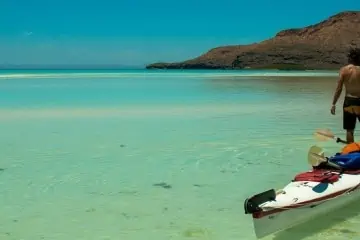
(354, 56)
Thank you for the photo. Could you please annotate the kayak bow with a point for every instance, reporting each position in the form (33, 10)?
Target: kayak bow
(332, 183)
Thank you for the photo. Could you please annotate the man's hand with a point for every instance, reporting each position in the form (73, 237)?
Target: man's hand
(332, 110)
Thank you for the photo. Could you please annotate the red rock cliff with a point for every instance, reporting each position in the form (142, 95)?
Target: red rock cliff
(320, 46)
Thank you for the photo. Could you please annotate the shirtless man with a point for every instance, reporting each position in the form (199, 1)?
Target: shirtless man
(349, 77)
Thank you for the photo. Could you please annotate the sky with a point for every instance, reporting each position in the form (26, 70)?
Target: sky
(139, 32)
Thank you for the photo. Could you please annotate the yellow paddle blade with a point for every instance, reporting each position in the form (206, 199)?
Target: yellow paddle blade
(324, 135)
(316, 156)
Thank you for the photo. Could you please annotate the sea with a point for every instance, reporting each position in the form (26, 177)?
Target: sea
(158, 154)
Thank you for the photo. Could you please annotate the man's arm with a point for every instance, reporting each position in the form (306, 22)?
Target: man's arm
(338, 87)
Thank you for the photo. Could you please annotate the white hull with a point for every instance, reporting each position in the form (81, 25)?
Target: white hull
(303, 200)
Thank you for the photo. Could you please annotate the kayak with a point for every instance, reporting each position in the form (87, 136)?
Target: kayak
(334, 183)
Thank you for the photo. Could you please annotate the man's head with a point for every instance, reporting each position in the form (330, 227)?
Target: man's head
(354, 56)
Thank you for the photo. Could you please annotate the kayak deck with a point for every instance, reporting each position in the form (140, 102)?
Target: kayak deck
(301, 192)
(332, 183)
(299, 201)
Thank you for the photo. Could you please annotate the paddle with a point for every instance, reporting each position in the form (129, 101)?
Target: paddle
(326, 134)
(316, 157)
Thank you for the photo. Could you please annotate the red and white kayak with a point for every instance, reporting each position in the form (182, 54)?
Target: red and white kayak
(308, 195)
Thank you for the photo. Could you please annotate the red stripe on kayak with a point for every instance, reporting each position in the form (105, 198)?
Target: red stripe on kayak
(298, 205)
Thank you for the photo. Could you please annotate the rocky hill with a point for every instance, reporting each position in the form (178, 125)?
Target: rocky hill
(320, 46)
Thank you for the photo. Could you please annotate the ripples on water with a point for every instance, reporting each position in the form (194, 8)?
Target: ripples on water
(165, 157)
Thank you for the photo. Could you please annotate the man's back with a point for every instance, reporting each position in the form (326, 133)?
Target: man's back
(350, 78)
(351, 75)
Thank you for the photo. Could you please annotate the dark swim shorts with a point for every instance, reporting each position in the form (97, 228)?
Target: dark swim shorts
(349, 118)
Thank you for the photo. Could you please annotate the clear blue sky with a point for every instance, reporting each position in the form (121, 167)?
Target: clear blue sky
(138, 32)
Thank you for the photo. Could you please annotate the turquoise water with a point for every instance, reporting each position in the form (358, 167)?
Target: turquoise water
(142, 154)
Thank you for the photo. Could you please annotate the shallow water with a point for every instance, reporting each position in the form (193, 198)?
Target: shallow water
(171, 156)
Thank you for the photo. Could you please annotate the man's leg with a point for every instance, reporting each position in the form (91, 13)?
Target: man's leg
(350, 136)
(349, 123)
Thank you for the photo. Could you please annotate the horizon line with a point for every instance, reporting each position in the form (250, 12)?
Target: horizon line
(68, 66)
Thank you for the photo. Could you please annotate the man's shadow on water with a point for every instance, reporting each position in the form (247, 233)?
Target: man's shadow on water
(322, 223)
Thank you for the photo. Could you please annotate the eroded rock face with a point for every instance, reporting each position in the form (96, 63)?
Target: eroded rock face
(320, 46)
